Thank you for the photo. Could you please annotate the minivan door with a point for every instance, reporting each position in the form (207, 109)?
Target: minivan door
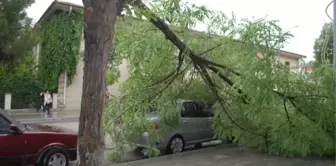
(204, 122)
(189, 122)
(208, 114)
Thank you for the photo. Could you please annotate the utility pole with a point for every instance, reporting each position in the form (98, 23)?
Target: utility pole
(334, 56)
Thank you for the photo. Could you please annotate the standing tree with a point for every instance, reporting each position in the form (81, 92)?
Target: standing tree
(323, 47)
(99, 19)
(16, 37)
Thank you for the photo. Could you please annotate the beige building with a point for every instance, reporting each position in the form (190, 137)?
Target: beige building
(69, 97)
(290, 59)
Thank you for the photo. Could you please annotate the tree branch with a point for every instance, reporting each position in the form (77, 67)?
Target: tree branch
(179, 65)
(207, 79)
(201, 63)
(287, 114)
(170, 35)
(292, 101)
(152, 96)
(244, 97)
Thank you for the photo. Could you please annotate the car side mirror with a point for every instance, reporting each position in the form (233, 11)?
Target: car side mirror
(15, 129)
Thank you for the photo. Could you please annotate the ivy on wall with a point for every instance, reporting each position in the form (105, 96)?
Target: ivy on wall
(60, 44)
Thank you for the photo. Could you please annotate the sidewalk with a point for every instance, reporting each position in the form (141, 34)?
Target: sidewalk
(228, 155)
(43, 117)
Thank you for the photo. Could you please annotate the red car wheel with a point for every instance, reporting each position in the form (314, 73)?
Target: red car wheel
(55, 157)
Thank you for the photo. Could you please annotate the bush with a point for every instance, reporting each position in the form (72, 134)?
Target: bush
(20, 80)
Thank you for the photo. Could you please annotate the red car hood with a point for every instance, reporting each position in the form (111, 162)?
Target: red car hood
(47, 128)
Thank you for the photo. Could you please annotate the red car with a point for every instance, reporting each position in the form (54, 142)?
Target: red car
(32, 144)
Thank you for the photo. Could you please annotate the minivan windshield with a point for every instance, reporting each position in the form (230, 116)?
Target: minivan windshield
(152, 109)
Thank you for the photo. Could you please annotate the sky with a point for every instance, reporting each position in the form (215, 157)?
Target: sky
(304, 18)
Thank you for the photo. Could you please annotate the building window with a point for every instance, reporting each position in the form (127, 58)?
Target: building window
(287, 64)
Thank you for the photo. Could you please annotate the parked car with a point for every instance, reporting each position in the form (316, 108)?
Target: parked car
(194, 127)
(33, 144)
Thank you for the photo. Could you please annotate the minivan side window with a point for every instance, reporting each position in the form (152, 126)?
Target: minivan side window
(188, 110)
(206, 110)
(192, 110)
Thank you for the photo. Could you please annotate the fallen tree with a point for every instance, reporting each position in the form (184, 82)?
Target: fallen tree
(257, 100)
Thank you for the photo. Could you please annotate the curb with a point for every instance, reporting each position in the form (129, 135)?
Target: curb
(155, 160)
(38, 113)
(49, 120)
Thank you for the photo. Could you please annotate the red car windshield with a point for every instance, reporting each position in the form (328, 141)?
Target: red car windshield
(12, 120)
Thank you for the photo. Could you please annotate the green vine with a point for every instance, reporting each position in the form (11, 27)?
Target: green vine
(60, 44)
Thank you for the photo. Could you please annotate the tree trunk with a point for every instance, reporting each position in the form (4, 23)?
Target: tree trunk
(99, 20)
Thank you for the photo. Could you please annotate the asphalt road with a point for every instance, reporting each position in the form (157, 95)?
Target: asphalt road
(229, 155)
(130, 155)
(224, 155)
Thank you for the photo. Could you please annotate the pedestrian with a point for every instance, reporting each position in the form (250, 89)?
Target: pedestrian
(47, 101)
(41, 102)
(107, 93)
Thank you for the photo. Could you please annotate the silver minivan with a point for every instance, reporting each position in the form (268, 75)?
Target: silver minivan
(194, 127)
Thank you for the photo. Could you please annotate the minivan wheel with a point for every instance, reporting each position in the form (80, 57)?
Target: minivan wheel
(175, 145)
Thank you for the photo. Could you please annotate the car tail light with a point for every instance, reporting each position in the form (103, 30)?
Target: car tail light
(152, 126)
(155, 126)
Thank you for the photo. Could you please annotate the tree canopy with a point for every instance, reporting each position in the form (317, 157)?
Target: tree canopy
(16, 35)
(257, 101)
(17, 62)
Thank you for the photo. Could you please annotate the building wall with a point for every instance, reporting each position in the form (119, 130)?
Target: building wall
(74, 91)
(293, 62)
(73, 96)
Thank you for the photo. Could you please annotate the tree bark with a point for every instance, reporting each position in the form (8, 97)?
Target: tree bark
(99, 20)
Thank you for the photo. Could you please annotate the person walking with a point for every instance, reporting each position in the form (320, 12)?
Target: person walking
(107, 94)
(41, 102)
(47, 101)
